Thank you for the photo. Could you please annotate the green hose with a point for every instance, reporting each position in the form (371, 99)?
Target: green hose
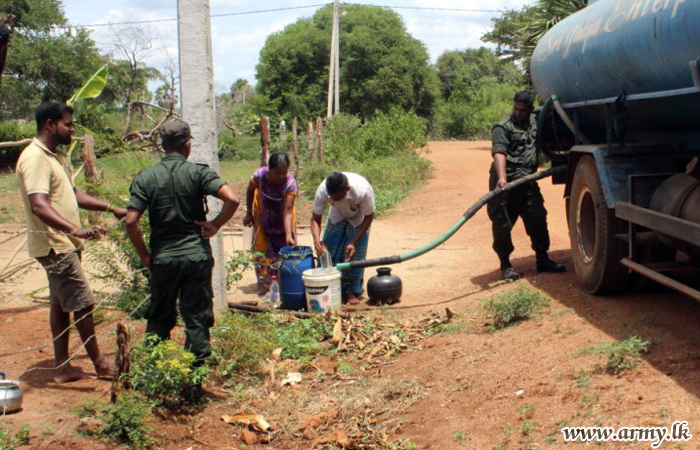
(469, 213)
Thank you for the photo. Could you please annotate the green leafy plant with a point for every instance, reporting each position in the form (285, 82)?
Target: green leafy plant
(513, 306)
(124, 422)
(238, 262)
(162, 369)
(93, 88)
(527, 411)
(303, 337)
(9, 441)
(583, 379)
(623, 355)
(459, 436)
(344, 367)
(116, 263)
(527, 427)
(402, 444)
(241, 344)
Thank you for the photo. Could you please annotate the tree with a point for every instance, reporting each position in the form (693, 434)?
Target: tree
(381, 65)
(44, 61)
(477, 89)
(517, 32)
(8, 19)
(463, 72)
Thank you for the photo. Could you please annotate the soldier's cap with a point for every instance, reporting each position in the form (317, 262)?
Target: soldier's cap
(175, 131)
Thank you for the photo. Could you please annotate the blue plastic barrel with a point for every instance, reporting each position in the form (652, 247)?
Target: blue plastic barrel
(295, 260)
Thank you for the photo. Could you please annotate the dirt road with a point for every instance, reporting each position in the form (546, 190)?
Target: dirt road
(515, 388)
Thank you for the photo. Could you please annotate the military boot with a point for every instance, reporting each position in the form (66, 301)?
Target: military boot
(544, 264)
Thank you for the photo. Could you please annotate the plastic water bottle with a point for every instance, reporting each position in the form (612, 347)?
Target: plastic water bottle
(275, 300)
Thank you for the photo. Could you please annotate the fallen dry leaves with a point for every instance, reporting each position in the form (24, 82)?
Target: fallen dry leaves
(255, 421)
(372, 339)
(334, 409)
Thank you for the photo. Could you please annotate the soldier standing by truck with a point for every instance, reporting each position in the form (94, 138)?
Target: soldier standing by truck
(515, 156)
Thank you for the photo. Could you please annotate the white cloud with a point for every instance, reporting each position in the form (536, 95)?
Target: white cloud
(238, 39)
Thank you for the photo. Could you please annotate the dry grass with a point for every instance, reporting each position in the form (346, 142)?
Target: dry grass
(359, 408)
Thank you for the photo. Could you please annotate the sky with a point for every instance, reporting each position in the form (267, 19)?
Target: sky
(238, 39)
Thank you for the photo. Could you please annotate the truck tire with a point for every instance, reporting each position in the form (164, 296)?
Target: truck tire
(595, 251)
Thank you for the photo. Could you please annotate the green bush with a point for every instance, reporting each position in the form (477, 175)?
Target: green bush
(394, 133)
(124, 421)
(514, 305)
(342, 138)
(238, 148)
(161, 370)
(241, 344)
(14, 130)
(472, 116)
(623, 355)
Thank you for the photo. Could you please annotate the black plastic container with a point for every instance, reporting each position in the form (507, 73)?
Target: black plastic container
(384, 288)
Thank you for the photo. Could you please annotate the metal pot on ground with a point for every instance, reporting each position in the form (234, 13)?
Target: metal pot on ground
(10, 395)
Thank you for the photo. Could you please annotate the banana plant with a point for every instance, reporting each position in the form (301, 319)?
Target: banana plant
(93, 88)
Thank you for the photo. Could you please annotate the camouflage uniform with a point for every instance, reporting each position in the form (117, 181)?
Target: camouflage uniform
(518, 145)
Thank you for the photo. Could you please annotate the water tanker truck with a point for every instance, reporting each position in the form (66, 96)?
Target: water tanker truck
(621, 85)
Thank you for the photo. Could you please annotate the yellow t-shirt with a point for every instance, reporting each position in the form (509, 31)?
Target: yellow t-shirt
(41, 171)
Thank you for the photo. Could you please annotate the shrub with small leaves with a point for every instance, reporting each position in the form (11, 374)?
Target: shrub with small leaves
(304, 336)
(623, 355)
(239, 262)
(9, 441)
(124, 422)
(514, 305)
(162, 369)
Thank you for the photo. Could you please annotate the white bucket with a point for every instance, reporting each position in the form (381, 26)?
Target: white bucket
(322, 288)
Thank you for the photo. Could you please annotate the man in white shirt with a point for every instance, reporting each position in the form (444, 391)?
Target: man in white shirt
(347, 231)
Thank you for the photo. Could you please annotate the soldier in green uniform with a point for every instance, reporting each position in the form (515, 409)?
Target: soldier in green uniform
(180, 260)
(515, 156)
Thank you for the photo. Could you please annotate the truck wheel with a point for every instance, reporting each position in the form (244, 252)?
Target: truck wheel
(595, 251)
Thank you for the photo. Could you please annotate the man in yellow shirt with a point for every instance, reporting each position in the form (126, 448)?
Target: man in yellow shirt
(54, 235)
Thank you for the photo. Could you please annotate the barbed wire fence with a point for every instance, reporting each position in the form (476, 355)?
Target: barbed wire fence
(104, 301)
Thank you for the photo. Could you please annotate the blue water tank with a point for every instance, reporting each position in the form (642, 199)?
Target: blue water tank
(646, 49)
(295, 260)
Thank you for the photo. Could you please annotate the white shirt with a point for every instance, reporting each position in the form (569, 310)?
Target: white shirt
(358, 203)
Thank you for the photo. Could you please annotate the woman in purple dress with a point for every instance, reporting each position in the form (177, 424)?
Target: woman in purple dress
(271, 196)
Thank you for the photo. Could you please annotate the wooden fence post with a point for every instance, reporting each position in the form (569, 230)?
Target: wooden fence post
(91, 174)
(319, 138)
(89, 159)
(264, 140)
(312, 141)
(295, 146)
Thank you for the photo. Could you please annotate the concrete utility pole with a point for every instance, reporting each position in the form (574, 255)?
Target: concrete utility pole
(336, 24)
(333, 83)
(197, 94)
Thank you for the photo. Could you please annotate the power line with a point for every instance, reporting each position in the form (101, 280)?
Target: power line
(243, 13)
(425, 8)
(264, 11)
